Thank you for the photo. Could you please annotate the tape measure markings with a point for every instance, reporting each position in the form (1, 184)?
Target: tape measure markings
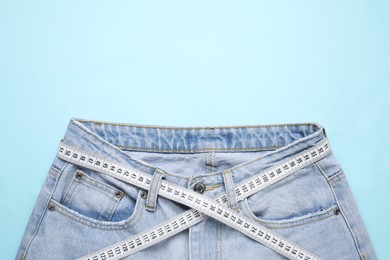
(204, 204)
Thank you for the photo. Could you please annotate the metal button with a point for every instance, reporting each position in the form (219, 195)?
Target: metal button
(199, 187)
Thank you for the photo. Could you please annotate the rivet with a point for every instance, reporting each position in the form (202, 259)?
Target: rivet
(79, 175)
(144, 194)
(118, 194)
(51, 207)
(337, 211)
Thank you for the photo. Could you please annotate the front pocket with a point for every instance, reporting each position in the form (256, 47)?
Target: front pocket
(301, 198)
(97, 200)
(91, 197)
(77, 217)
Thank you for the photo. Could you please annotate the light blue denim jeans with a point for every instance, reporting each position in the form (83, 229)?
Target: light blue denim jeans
(79, 210)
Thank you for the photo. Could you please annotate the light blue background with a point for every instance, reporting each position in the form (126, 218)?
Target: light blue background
(194, 63)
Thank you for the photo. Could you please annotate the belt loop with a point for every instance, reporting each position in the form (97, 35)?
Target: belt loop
(229, 187)
(151, 199)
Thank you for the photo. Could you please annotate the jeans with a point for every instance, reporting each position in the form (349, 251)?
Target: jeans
(79, 210)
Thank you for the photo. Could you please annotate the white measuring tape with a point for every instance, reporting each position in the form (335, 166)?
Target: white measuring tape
(202, 206)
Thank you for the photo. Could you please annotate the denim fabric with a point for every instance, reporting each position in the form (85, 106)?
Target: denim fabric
(314, 207)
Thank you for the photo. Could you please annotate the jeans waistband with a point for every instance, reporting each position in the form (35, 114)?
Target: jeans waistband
(110, 140)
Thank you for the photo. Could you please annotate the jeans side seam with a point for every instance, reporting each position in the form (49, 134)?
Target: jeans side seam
(59, 172)
(216, 225)
(190, 243)
(342, 212)
(220, 239)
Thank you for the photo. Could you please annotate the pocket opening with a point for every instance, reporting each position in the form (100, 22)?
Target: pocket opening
(320, 214)
(97, 203)
(303, 197)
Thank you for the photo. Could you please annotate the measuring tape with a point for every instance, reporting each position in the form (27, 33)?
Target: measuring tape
(202, 206)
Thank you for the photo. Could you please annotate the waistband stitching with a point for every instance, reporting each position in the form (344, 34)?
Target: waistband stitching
(283, 148)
